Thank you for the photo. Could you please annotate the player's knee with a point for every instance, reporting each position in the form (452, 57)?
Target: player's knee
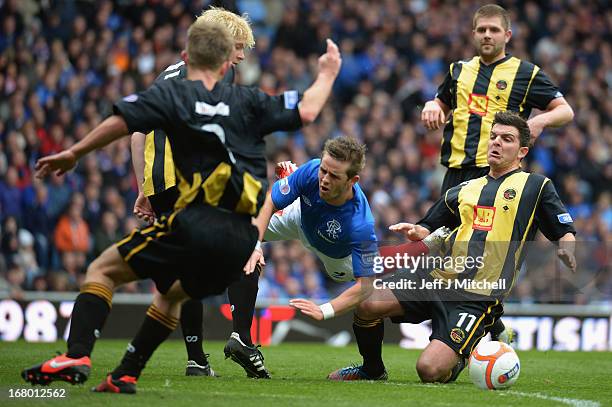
(97, 272)
(368, 310)
(109, 269)
(176, 294)
(429, 371)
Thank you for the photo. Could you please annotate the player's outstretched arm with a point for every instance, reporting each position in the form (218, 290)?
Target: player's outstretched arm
(345, 302)
(317, 94)
(410, 231)
(106, 132)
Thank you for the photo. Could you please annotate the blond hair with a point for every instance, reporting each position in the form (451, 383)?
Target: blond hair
(209, 44)
(239, 26)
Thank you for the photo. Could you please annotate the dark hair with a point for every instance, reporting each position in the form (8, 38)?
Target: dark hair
(492, 10)
(347, 149)
(509, 118)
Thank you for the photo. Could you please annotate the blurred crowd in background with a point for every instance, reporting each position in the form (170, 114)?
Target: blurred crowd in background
(64, 63)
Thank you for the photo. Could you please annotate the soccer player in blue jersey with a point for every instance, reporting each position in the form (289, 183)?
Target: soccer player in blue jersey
(324, 207)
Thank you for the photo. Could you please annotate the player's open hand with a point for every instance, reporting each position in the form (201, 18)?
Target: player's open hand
(410, 231)
(331, 61)
(59, 163)
(143, 209)
(256, 258)
(308, 308)
(567, 258)
(432, 116)
(284, 169)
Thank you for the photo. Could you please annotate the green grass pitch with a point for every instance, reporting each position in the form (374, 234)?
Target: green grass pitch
(578, 379)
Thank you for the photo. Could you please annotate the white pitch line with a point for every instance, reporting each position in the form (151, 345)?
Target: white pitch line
(564, 400)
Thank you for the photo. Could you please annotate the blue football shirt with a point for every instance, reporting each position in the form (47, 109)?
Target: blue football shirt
(336, 231)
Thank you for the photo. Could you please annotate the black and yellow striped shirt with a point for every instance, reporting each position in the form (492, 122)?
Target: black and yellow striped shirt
(493, 219)
(475, 92)
(216, 137)
(159, 169)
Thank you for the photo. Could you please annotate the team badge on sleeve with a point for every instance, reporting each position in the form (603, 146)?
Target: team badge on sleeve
(565, 218)
(284, 186)
(291, 99)
(457, 335)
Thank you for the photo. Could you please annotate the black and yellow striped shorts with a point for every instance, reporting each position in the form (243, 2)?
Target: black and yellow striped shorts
(203, 247)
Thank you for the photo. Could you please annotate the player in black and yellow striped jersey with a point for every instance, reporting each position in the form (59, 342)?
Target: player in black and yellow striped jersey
(474, 90)
(151, 153)
(494, 216)
(210, 126)
(158, 193)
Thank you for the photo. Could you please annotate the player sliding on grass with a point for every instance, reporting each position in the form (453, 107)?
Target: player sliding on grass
(493, 215)
(222, 182)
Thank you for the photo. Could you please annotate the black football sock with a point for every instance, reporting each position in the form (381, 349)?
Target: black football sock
(369, 335)
(191, 324)
(497, 329)
(154, 330)
(91, 308)
(242, 296)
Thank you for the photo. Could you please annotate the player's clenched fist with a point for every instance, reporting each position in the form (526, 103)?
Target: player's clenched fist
(331, 61)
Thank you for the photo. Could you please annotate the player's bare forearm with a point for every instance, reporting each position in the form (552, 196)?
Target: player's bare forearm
(556, 117)
(105, 133)
(265, 214)
(315, 97)
(138, 160)
(445, 108)
(353, 296)
(557, 113)
(567, 248)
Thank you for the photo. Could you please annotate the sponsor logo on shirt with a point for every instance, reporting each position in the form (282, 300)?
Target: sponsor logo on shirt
(565, 218)
(306, 200)
(483, 217)
(478, 104)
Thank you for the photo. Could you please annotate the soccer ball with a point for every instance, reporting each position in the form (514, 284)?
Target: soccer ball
(494, 365)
